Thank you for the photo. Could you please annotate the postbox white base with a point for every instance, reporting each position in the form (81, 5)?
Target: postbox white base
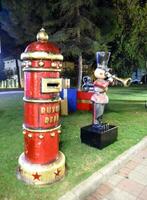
(38, 174)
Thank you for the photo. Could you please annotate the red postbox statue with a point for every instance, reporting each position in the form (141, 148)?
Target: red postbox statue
(41, 162)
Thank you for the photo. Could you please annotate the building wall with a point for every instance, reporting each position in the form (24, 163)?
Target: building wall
(10, 65)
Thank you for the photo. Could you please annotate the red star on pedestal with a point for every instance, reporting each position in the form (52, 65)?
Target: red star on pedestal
(57, 172)
(36, 176)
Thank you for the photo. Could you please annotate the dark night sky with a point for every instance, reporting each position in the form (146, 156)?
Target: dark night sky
(6, 43)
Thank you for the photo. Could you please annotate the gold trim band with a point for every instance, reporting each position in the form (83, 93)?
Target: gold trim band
(42, 130)
(27, 69)
(41, 55)
(84, 101)
(40, 101)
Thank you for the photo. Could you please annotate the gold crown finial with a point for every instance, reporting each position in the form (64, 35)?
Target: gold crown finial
(42, 35)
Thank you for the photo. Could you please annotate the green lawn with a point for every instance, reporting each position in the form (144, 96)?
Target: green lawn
(126, 110)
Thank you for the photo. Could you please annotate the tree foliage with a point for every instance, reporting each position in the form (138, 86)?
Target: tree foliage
(130, 44)
(76, 30)
(83, 27)
(21, 19)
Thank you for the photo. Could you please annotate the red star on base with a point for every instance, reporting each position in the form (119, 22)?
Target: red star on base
(36, 176)
(57, 172)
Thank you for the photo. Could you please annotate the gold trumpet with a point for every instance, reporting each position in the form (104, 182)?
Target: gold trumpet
(126, 81)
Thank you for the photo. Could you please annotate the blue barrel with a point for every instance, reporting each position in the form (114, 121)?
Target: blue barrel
(71, 95)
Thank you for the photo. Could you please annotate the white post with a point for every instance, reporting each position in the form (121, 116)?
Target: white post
(2, 84)
(5, 83)
(16, 83)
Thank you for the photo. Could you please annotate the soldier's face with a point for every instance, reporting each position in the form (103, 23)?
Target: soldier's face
(99, 73)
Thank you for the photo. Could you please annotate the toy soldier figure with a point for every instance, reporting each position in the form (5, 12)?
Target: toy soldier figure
(99, 98)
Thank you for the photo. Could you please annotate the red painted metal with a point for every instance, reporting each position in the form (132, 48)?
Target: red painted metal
(43, 46)
(41, 109)
(32, 87)
(41, 115)
(41, 150)
(83, 100)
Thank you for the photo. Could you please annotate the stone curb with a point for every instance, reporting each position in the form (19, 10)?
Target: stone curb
(89, 185)
(11, 92)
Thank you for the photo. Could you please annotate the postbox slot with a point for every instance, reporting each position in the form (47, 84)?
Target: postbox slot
(51, 85)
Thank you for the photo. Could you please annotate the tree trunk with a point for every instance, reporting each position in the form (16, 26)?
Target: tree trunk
(80, 67)
(80, 64)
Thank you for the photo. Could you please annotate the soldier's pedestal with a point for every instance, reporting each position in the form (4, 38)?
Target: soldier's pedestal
(98, 138)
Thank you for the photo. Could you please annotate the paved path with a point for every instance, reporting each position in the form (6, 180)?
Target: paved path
(129, 183)
(11, 92)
